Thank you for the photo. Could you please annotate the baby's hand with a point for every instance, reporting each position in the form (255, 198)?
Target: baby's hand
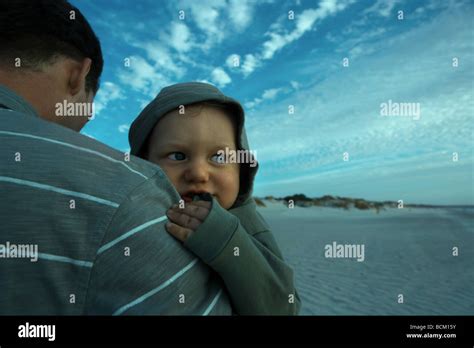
(184, 221)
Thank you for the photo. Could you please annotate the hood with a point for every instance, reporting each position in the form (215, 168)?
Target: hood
(171, 98)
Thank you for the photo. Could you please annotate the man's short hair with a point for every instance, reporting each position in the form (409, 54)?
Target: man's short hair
(39, 31)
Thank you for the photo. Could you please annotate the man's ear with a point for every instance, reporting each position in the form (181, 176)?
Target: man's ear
(78, 74)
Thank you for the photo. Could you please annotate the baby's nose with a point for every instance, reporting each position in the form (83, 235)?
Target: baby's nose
(197, 172)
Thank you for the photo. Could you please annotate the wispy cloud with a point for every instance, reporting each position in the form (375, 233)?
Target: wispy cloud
(233, 61)
(241, 13)
(279, 37)
(216, 19)
(123, 128)
(382, 8)
(108, 92)
(251, 62)
(268, 94)
(246, 65)
(179, 37)
(143, 77)
(272, 93)
(205, 14)
(220, 77)
(161, 57)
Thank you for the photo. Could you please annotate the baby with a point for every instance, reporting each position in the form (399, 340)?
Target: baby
(189, 130)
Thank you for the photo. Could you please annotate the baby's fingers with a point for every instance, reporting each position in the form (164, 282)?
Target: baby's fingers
(183, 219)
(197, 209)
(178, 232)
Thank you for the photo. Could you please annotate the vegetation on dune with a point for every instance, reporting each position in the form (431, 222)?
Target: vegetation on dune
(259, 202)
(346, 203)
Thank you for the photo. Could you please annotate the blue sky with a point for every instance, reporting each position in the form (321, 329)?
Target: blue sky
(425, 58)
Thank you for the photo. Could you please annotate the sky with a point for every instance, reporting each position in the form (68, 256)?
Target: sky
(314, 77)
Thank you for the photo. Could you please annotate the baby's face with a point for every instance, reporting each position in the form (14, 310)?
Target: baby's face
(185, 146)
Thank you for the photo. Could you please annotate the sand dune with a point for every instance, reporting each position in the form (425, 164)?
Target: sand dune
(407, 251)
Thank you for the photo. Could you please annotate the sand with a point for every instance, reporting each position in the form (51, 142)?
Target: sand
(407, 251)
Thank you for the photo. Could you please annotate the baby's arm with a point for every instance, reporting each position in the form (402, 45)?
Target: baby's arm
(244, 253)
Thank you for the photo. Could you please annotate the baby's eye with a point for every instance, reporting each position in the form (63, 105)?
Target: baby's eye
(218, 158)
(177, 156)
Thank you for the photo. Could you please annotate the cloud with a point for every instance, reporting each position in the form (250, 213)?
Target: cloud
(123, 128)
(205, 81)
(278, 37)
(295, 85)
(219, 18)
(276, 43)
(164, 61)
(250, 64)
(268, 94)
(242, 13)
(143, 77)
(382, 7)
(160, 55)
(107, 93)
(304, 23)
(220, 77)
(272, 93)
(179, 37)
(205, 15)
(233, 61)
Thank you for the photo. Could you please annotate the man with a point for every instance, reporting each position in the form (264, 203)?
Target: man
(81, 224)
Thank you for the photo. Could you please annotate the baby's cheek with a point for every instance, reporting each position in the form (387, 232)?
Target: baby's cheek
(171, 173)
(231, 182)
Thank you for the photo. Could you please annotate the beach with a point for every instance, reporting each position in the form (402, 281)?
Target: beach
(407, 252)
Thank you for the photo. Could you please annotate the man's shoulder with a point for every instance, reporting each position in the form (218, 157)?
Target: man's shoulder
(79, 159)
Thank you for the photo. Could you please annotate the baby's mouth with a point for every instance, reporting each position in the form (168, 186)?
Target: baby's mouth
(190, 197)
(187, 199)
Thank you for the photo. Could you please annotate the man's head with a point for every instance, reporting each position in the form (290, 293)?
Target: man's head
(186, 146)
(49, 55)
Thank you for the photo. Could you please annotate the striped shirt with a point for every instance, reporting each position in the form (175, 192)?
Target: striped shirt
(96, 220)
